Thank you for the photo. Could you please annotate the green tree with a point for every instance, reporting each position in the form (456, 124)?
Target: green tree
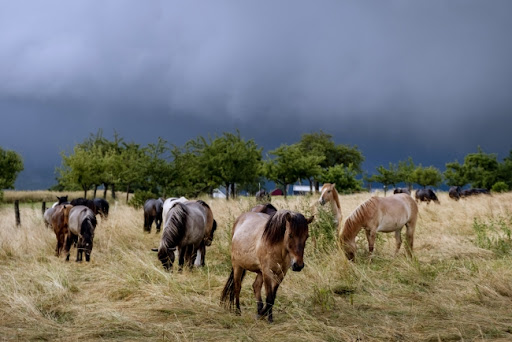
(290, 165)
(11, 164)
(386, 177)
(343, 177)
(129, 167)
(505, 171)
(404, 172)
(321, 144)
(427, 176)
(481, 169)
(454, 174)
(80, 168)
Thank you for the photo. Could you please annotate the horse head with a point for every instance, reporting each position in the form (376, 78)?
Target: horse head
(85, 242)
(208, 236)
(166, 257)
(327, 193)
(297, 232)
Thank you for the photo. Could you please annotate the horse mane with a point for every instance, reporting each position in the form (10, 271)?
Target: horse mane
(353, 223)
(88, 222)
(175, 230)
(276, 225)
(336, 197)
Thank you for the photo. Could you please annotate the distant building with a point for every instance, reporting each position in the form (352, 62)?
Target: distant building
(276, 192)
(301, 189)
(217, 193)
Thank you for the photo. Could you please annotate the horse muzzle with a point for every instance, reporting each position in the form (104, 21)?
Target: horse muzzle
(296, 267)
(207, 242)
(321, 201)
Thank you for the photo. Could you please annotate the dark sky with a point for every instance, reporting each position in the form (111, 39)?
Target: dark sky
(428, 79)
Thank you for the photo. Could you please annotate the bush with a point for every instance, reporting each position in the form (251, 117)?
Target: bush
(140, 197)
(500, 187)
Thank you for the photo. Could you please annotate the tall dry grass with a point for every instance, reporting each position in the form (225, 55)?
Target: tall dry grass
(457, 288)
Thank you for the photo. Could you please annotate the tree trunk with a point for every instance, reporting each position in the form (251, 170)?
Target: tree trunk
(233, 192)
(227, 191)
(85, 191)
(95, 188)
(113, 191)
(105, 190)
(284, 191)
(317, 186)
(310, 186)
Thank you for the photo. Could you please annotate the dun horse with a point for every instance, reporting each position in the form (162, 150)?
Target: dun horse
(381, 214)
(82, 223)
(60, 220)
(189, 227)
(268, 209)
(268, 246)
(328, 194)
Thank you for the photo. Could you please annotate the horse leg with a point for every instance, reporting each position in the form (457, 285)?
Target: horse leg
(238, 274)
(256, 287)
(398, 238)
(67, 247)
(271, 290)
(150, 223)
(409, 237)
(79, 251)
(158, 223)
(370, 236)
(181, 258)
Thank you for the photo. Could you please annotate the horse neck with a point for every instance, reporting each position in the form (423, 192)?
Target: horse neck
(357, 220)
(335, 204)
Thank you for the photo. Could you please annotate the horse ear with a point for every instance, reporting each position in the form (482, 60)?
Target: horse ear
(333, 185)
(310, 219)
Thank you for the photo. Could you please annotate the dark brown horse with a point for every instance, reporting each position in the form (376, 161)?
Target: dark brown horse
(84, 201)
(268, 246)
(60, 221)
(153, 209)
(81, 226)
(268, 209)
(102, 207)
(426, 195)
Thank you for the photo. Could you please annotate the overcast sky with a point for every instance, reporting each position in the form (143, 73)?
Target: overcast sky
(428, 79)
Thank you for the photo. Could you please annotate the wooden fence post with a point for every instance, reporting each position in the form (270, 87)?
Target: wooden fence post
(43, 207)
(17, 212)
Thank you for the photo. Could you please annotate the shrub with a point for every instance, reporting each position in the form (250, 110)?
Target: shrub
(140, 197)
(500, 187)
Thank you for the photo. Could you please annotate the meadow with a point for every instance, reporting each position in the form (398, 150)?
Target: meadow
(458, 286)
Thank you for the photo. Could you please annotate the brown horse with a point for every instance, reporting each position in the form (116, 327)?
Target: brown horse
(268, 246)
(268, 209)
(81, 225)
(381, 214)
(328, 194)
(60, 219)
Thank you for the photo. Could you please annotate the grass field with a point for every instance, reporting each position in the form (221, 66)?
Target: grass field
(457, 288)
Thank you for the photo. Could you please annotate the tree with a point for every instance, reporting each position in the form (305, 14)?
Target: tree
(11, 164)
(481, 169)
(427, 176)
(321, 144)
(454, 174)
(79, 168)
(344, 177)
(386, 176)
(404, 172)
(291, 165)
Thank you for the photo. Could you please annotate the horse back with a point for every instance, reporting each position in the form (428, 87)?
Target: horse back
(77, 215)
(395, 211)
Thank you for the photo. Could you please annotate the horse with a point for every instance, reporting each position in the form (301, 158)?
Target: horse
(168, 203)
(102, 207)
(47, 216)
(268, 246)
(268, 209)
(189, 227)
(426, 195)
(153, 212)
(84, 201)
(60, 219)
(454, 192)
(401, 191)
(328, 194)
(82, 223)
(474, 191)
(380, 214)
(60, 200)
(263, 196)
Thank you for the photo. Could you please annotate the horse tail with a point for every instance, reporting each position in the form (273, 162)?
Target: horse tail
(229, 290)
(177, 224)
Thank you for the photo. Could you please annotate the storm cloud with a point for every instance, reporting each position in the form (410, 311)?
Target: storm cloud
(427, 79)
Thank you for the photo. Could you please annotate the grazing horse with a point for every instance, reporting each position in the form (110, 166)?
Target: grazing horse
(401, 191)
(474, 191)
(426, 195)
(153, 212)
(328, 194)
(48, 217)
(60, 219)
(268, 209)
(263, 196)
(102, 207)
(381, 214)
(84, 201)
(189, 227)
(168, 203)
(454, 192)
(61, 200)
(268, 246)
(82, 223)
